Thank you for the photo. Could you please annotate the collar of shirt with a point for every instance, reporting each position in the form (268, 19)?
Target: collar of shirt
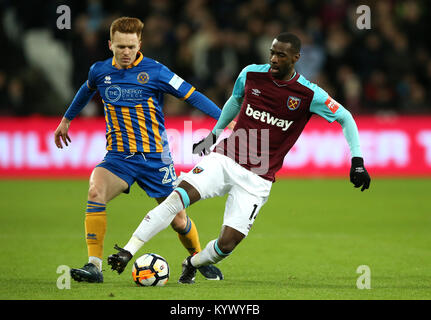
(138, 59)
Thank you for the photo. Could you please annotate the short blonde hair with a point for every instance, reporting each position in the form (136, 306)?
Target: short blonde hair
(127, 25)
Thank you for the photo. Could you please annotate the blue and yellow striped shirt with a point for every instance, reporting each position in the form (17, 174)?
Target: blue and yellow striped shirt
(133, 101)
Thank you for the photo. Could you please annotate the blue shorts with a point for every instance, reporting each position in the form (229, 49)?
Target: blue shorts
(154, 175)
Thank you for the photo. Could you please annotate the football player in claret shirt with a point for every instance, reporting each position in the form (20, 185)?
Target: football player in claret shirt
(273, 104)
(132, 88)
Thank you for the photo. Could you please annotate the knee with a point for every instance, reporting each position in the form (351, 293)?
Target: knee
(95, 194)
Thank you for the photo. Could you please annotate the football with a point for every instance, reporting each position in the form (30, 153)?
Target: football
(150, 270)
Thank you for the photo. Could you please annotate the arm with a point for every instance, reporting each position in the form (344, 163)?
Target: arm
(229, 112)
(326, 107)
(171, 83)
(62, 133)
(80, 100)
(350, 131)
(201, 102)
(358, 174)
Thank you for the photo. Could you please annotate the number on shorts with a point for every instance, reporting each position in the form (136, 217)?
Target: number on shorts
(169, 174)
(252, 216)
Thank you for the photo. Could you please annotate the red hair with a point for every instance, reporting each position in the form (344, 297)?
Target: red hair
(127, 25)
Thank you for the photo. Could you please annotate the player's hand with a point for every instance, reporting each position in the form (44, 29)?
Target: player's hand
(231, 125)
(358, 174)
(203, 147)
(61, 133)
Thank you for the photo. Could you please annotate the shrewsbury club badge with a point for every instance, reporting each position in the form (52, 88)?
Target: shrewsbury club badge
(293, 103)
(143, 77)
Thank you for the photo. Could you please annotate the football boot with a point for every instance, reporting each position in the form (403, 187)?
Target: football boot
(211, 272)
(189, 272)
(118, 261)
(88, 273)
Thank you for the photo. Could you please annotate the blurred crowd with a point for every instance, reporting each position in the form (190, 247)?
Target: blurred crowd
(385, 69)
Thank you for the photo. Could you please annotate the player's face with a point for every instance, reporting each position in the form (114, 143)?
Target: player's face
(125, 47)
(282, 60)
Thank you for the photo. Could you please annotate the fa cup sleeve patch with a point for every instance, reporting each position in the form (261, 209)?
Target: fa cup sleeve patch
(332, 104)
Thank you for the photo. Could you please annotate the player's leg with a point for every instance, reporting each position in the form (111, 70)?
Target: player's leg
(215, 251)
(242, 206)
(103, 187)
(189, 237)
(204, 181)
(157, 180)
(187, 232)
(155, 221)
(218, 249)
(186, 229)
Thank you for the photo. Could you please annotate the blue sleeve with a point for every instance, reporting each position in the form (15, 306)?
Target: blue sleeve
(238, 89)
(230, 110)
(326, 107)
(201, 102)
(323, 105)
(350, 130)
(80, 100)
(84, 95)
(92, 77)
(173, 84)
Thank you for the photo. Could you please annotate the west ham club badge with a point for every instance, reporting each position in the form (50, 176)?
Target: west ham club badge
(293, 103)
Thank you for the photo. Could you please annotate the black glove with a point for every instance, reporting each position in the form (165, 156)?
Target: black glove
(358, 174)
(203, 147)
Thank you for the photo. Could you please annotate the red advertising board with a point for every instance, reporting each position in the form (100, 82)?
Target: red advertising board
(394, 147)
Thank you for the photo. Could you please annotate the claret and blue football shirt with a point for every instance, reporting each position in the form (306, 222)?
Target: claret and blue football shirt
(274, 112)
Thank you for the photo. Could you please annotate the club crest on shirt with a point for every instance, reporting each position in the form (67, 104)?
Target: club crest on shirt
(143, 77)
(197, 170)
(293, 103)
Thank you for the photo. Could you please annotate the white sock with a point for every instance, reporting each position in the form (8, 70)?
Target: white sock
(159, 218)
(134, 245)
(210, 255)
(96, 261)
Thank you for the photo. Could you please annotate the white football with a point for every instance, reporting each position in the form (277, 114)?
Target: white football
(150, 270)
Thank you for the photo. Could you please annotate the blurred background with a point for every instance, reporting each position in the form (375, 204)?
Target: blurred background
(325, 228)
(385, 70)
(382, 75)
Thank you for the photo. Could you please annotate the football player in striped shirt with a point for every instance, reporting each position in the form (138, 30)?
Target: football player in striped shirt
(273, 104)
(132, 88)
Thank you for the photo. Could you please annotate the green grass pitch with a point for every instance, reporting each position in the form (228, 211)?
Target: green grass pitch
(307, 243)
